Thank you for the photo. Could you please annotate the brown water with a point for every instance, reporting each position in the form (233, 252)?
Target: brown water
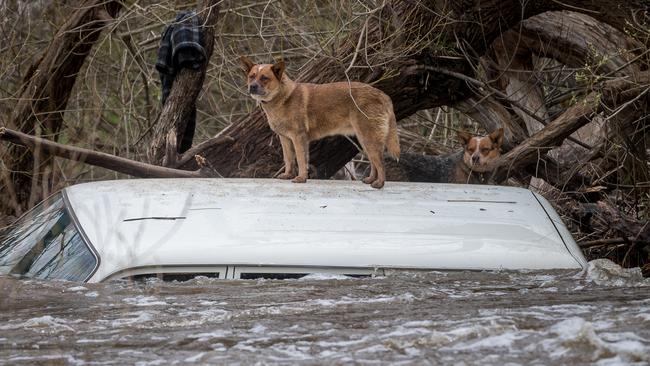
(600, 316)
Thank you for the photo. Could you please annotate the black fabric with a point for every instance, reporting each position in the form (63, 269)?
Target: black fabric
(181, 46)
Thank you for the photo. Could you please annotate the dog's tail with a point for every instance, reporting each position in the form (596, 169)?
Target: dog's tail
(392, 140)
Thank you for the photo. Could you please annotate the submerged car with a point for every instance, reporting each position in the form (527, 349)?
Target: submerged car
(177, 229)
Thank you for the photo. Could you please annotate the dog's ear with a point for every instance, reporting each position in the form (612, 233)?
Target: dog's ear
(246, 64)
(464, 137)
(497, 137)
(278, 68)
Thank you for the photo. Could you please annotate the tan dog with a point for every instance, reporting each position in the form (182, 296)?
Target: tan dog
(302, 112)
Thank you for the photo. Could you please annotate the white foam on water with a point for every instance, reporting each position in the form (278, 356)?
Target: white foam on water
(47, 359)
(211, 303)
(130, 352)
(92, 341)
(537, 280)
(475, 331)
(375, 348)
(453, 293)
(544, 278)
(191, 318)
(418, 323)
(504, 340)
(604, 272)
(142, 300)
(258, 328)
(219, 333)
(566, 309)
(77, 288)
(139, 317)
(195, 358)
(643, 316)
(455, 336)
(412, 351)
(405, 297)
(91, 294)
(515, 312)
(219, 347)
(300, 307)
(291, 352)
(341, 343)
(328, 354)
(245, 347)
(627, 345)
(188, 317)
(151, 363)
(404, 331)
(324, 276)
(48, 322)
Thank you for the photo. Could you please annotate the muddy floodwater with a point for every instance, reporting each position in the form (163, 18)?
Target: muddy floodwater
(599, 316)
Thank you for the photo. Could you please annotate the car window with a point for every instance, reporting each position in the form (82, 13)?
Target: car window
(171, 277)
(45, 244)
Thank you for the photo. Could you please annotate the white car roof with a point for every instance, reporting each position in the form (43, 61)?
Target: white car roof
(176, 222)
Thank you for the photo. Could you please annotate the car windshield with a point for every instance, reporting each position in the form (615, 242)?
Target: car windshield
(44, 243)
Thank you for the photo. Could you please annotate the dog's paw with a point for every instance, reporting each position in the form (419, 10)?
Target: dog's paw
(367, 180)
(377, 184)
(285, 176)
(299, 179)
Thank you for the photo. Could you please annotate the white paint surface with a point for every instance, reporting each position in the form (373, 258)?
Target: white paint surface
(320, 223)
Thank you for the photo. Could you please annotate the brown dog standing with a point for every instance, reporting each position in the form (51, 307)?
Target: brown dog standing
(302, 112)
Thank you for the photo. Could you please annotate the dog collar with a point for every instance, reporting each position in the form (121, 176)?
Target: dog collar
(481, 177)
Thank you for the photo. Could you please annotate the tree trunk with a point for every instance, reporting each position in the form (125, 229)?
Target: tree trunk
(44, 96)
(172, 122)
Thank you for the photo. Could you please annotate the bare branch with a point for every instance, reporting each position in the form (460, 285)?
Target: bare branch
(116, 163)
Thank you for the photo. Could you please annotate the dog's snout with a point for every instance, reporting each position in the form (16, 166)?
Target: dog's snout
(475, 159)
(255, 89)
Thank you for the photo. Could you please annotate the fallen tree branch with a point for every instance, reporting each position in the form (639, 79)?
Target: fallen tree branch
(615, 92)
(499, 94)
(599, 242)
(108, 161)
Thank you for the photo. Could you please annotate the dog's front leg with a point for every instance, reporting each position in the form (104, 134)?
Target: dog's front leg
(289, 157)
(301, 145)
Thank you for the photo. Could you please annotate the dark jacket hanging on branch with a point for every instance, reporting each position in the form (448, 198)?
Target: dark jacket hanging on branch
(181, 46)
